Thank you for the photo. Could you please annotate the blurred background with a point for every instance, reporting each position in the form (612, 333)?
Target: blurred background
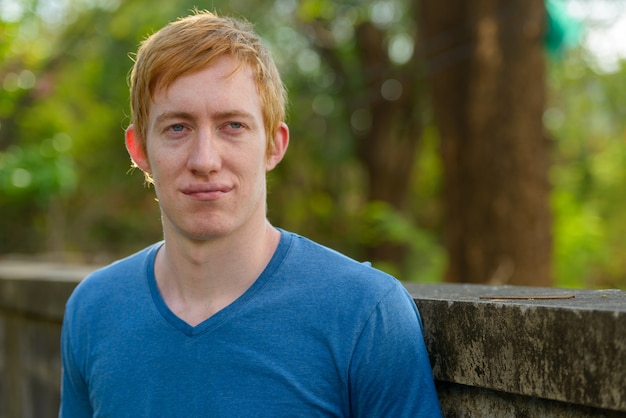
(463, 141)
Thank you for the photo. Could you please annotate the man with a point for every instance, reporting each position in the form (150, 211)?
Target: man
(229, 316)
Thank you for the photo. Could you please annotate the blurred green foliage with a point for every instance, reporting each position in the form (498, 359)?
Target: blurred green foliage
(587, 120)
(65, 184)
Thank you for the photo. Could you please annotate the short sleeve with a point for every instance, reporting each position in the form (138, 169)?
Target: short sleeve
(390, 372)
(74, 392)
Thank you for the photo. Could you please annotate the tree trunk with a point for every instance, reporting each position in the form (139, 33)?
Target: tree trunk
(388, 132)
(486, 64)
(388, 148)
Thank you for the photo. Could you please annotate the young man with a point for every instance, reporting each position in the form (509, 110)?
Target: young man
(229, 316)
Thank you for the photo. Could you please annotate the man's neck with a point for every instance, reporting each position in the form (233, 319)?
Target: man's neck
(198, 279)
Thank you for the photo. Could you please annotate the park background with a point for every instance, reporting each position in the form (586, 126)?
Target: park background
(380, 93)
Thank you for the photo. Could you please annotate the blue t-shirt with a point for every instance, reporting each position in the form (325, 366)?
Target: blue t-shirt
(317, 335)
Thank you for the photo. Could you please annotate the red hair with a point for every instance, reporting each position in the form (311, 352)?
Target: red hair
(191, 44)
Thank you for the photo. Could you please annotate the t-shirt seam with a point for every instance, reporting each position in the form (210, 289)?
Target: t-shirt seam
(392, 288)
(69, 338)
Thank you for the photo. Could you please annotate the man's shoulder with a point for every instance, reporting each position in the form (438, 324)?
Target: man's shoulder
(334, 290)
(331, 269)
(114, 279)
(131, 265)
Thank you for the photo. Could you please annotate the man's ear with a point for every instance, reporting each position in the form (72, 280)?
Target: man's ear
(136, 150)
(280, 144)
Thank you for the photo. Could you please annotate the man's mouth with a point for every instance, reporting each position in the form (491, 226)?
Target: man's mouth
(211, 191)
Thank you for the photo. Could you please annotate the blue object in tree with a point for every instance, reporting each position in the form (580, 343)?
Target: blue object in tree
(562, 30)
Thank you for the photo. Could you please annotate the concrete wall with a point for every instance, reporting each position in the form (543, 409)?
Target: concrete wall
(32, 301)
(495, 351)
(526, 352)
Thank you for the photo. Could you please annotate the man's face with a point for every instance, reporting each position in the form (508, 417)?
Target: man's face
(206, 151)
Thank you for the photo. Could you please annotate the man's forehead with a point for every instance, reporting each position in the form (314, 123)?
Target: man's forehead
(210, 90)
(226, 67)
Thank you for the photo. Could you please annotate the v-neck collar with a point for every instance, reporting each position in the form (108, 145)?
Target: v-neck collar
(227, 312)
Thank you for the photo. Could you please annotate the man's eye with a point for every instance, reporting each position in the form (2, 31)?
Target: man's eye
(235, 125)
(177, 128)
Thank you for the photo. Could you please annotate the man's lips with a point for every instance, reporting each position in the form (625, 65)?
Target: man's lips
(206, 191)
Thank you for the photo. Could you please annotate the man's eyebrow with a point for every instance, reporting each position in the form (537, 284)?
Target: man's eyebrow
(173, 115)
(233, 114)
(227, 114)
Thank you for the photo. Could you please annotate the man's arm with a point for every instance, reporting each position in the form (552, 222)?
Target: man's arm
(74, 393)
(390, 373)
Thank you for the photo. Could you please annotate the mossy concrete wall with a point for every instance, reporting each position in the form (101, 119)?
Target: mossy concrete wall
(526, 352)
(495, 351)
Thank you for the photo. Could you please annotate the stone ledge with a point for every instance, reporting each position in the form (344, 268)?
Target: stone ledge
(568, 350)
(504, 355)
(468, 401)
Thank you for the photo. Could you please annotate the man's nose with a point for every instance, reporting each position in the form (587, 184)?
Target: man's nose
(204, 153)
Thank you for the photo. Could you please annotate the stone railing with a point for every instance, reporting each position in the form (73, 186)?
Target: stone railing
(32, 302)
(507, 351)
(495, 351)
